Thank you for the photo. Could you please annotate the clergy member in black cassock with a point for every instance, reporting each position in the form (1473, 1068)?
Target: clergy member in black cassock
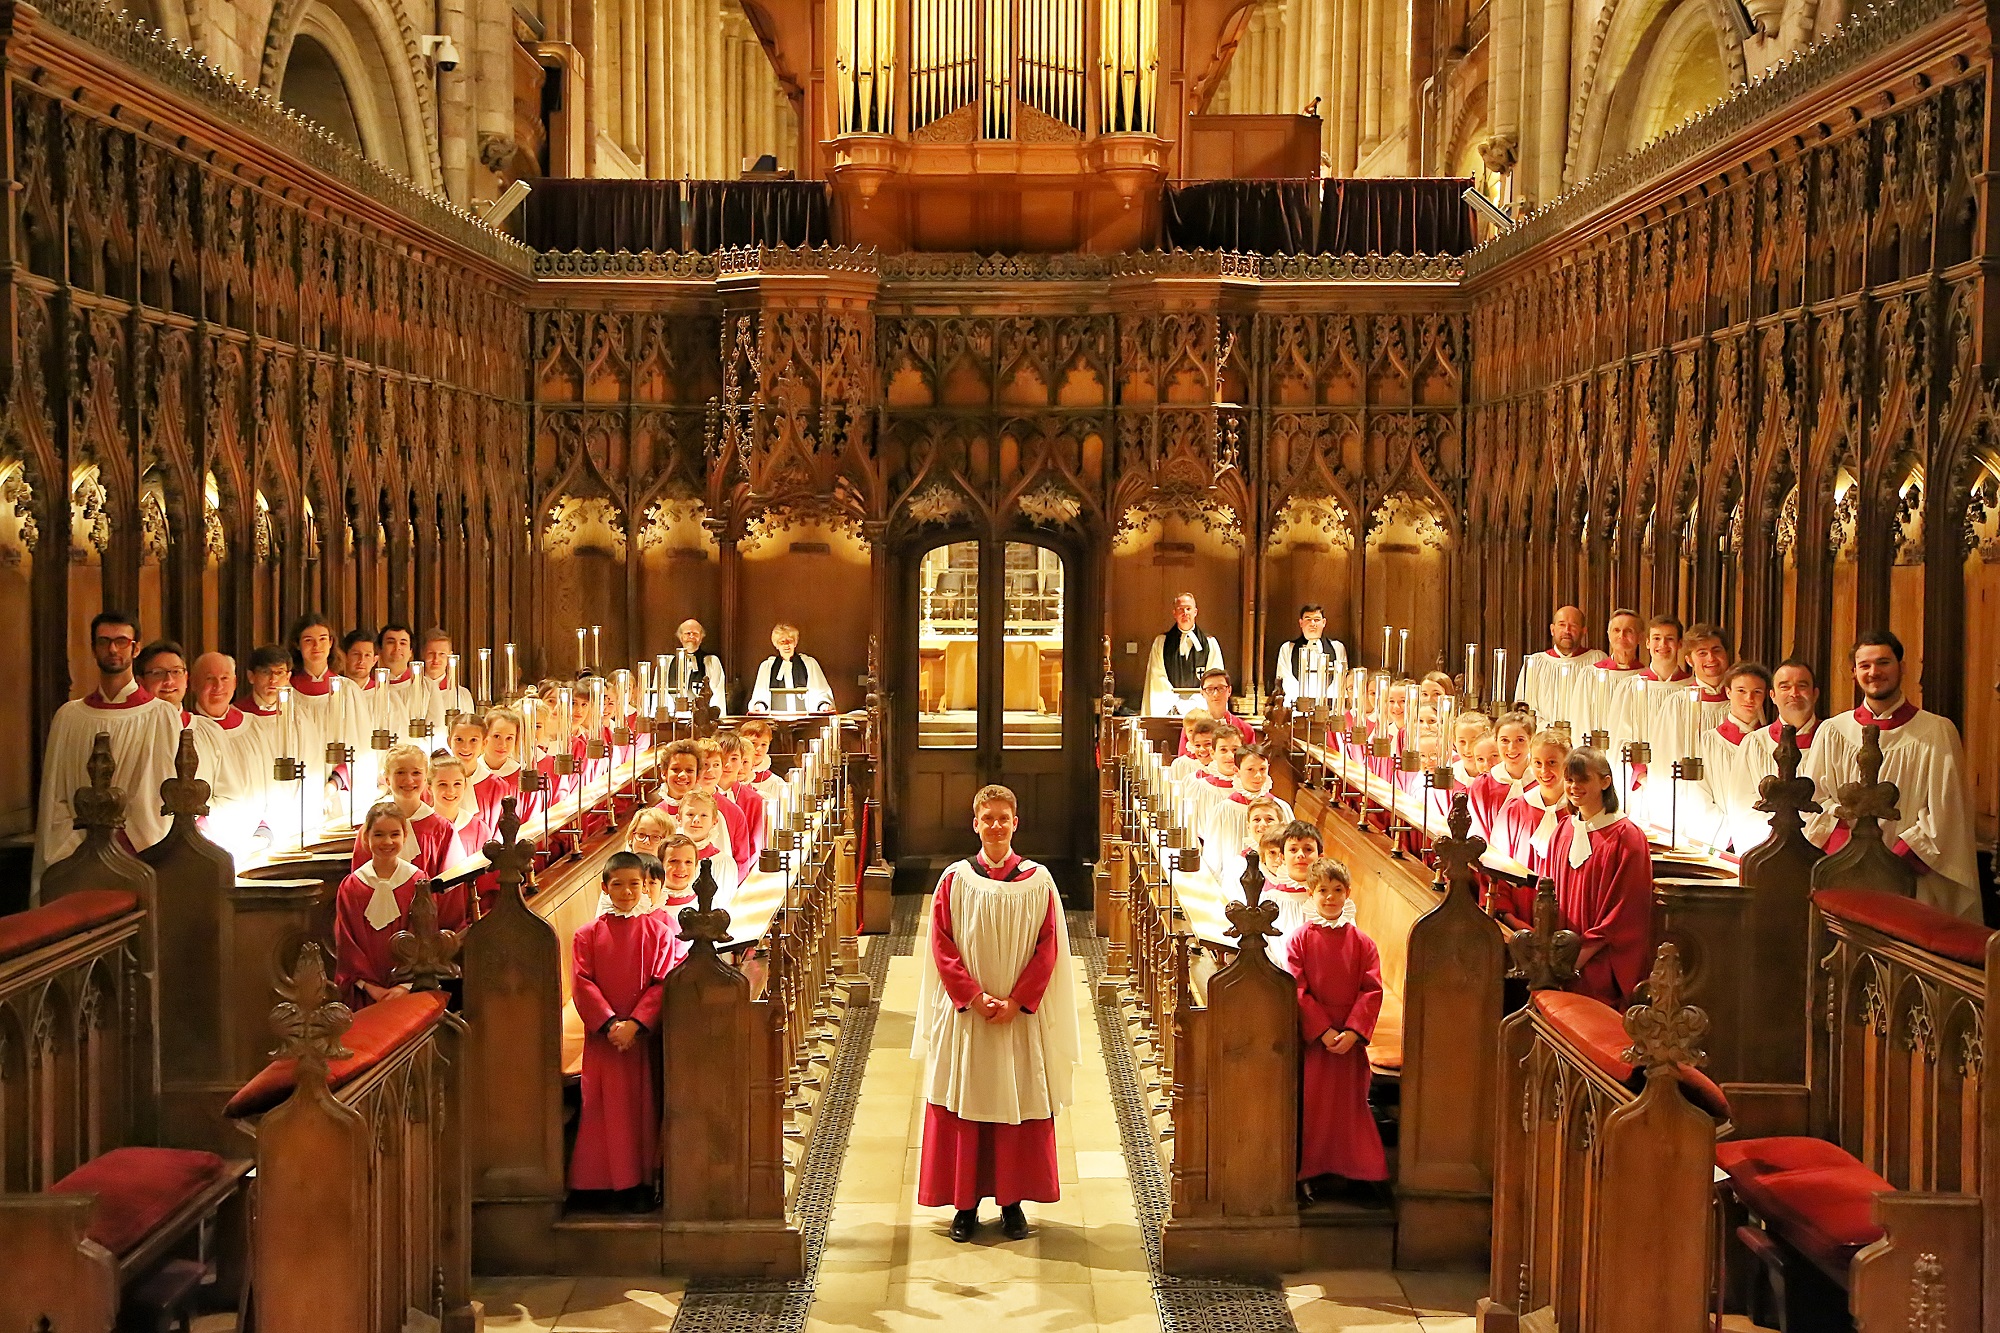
(1174, 669)
(1299, 665)
(696, 662)
(789, 681)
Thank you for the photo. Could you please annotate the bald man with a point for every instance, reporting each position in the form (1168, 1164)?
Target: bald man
(693, 662)
(236, 757)
(1549, 680)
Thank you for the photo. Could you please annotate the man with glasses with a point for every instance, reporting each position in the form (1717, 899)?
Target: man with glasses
(162, 670)
(144, 731)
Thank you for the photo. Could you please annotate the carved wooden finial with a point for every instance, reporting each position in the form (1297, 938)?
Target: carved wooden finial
(99, 805)
(1459, 852)
(1665, 1031)
(1547, 954)
(424, 954)
(1253, 920)
(705, 925)
(185, 796)
(308, 1020)
(508, 855)
(1109, 701)
(1786, 796)
(1865, 804)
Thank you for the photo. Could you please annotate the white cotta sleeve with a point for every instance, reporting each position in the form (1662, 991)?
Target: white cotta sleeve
(1159, 698)
(819, 694)
(760, 688)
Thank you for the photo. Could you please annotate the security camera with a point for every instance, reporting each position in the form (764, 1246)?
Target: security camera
(441, 52)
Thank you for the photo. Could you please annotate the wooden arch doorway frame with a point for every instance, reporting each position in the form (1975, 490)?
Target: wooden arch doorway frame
(929, 822)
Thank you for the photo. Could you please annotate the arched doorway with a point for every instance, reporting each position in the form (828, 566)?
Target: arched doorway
(992, 681)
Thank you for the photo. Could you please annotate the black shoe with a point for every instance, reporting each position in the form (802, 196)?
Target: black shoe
(1014, 1222)
(963, 1223)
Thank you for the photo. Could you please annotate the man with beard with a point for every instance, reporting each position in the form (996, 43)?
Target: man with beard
(145, 733)
(1922, 755)
(1548, 679)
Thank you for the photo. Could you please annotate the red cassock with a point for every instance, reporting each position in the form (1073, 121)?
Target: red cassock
(1608, 900)
(361, 948)
(1485, 796)
(492, 788)
(1515, 832)
(965, 1161)
(751, 803)
(618, 963)
(741, 849)
(1339, 977)
(432, 848)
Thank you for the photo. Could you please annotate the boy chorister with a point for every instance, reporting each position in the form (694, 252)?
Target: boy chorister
(699, 823)
(756, 733)
(996, 1016)
(1339, 976)
(618, 963)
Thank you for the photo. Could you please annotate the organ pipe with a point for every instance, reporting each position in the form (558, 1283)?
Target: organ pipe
(866, 74)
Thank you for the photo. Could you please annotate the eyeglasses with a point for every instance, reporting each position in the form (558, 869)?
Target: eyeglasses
(122, 641)
(165, 673)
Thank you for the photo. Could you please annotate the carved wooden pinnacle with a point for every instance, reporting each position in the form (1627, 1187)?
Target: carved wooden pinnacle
(1868, 802)
(1547, 954)
(309, 1021)
(507, 854)
(99, 805)
(1460, 851)
(1785, 796)
(705, 925)
(1253, 919)
(1665, 1031)
(424, 954)
(184, 795)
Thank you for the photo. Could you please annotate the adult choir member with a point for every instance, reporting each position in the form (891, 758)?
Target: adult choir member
(996, 1025)
(1215, 702)
(789, 681)
(321, 713)
(1603, 871)
(1637, 721)
(445, 694)
(1795, 691)
(696, 663)
(403, 698)
(1922, 755)
(162, 669)
(236, 756)
(1548, 678)
(145, 736)
(1599, 694)
(1313, 658)
(273, 733)
(1687, 710)
(1177, 660)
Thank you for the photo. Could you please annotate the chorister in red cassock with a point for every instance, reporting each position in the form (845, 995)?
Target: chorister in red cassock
(1603, 872)
(369, 909)
(1339, 976)
(994, 1088)
(619, 962)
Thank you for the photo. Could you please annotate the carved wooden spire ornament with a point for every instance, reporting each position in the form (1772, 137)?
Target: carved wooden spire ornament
(1253, 920)
(705, 925)
(185, 796)
(99, 807)
(424, 954)
(1459, 851)
(510, 858)
(1786, 796)
(1547, 954)
(308, 1020)
(103, 860)
(1866, 862)
(1665, 1031)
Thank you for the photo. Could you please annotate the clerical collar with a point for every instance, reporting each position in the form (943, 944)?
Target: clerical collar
(1580, 831)
(513, 767)
(314, 686)
(131, 696)
(395, 879)
(1886, 721)
(1533, 796)
(463, 817)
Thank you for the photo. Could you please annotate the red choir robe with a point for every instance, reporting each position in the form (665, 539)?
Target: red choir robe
(1604, 892)
(617, 964)
(1486, 795)
(751, 802)
(1526, 831)
(740, 850)
(368, 911)
(993, 1091)
(491, 786)
(670, 910)
(1339, 977)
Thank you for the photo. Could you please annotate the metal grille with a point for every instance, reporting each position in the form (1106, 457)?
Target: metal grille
(1187, 1305)
(743, 1306)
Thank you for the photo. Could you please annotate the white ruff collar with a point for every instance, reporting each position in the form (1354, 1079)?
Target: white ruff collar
(383, 908)
(1579, 842)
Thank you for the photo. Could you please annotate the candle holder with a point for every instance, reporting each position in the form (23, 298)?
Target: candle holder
(338, 754)
(1598, 739)
(381, 739)
(421, 729)
(1688, 768)
(451, 717)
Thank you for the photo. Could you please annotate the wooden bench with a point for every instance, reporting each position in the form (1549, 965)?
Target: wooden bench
(1605, 1164)
(91, 1218)
(362, 1219)
(1893, 1198)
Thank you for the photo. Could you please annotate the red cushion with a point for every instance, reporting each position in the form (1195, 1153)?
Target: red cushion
(65, 916)
(1908, 920)
(1598, 1030)
(137, 1189)
(377, 1032)
(1813, 1194)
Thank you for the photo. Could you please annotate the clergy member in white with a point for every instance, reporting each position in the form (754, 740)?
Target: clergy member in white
(1177, 660)
(445, 693)
(1922, 755)
(694, 662)
(1549, 678)
(789, 681)
(996, 1027)
(1311, 659)
(145, 734)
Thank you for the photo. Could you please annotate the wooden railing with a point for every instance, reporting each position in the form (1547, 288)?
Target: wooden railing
(1602, 1195)
(752, 1021)
(362, 1219)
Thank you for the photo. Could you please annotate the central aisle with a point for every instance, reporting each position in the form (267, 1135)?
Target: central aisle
(889, 1265)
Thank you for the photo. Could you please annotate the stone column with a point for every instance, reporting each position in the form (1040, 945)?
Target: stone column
(1371, 77)
(456, 149)
(658, 163)
(631, 133)
(1349, 135)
